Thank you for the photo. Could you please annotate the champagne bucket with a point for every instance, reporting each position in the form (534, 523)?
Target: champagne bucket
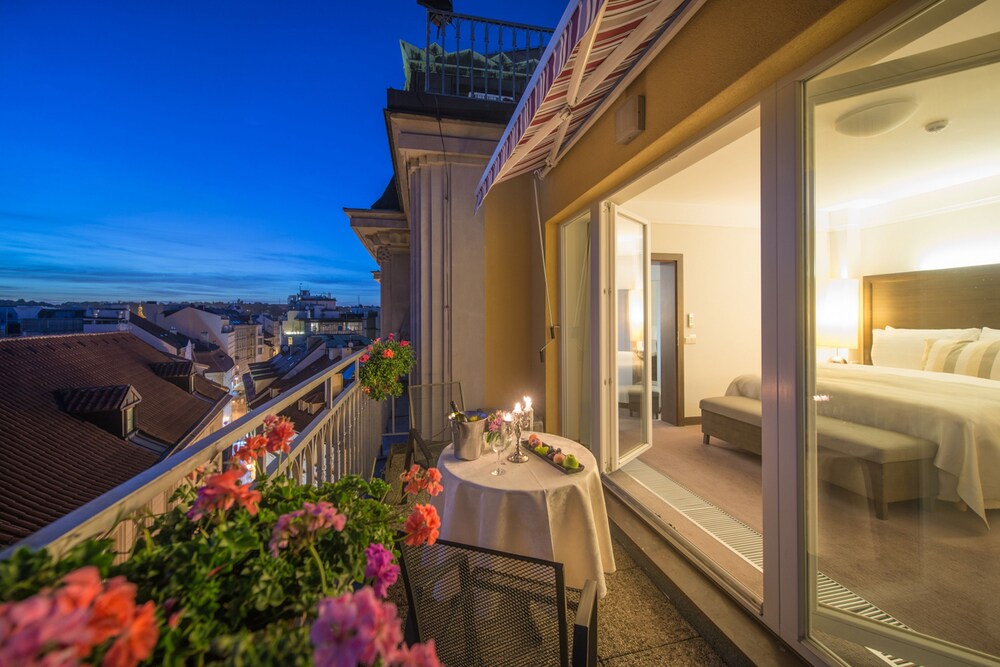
(468, 438)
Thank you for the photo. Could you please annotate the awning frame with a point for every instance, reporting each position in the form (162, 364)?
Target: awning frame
(581, 85)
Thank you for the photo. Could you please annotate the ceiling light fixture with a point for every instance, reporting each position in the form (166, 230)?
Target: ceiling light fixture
(877, 118)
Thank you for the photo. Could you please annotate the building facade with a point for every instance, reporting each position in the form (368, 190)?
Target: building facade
(732, 195)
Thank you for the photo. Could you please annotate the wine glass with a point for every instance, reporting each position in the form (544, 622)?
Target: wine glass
(498, 444)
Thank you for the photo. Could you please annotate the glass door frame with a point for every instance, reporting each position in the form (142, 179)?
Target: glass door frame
(787, 356)
(615, 459)
(564, 393)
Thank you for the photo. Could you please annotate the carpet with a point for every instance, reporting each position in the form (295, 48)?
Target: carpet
(934, 571)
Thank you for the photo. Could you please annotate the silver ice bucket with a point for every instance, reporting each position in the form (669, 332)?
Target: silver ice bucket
(468, 438)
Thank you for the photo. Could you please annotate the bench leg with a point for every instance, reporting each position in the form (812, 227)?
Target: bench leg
(704, 439)
(876, 487)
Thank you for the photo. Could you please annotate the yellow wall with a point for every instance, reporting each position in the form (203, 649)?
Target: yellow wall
(515, 298)
(725, 57)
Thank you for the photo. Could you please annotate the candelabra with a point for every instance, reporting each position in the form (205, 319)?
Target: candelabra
(515, 426)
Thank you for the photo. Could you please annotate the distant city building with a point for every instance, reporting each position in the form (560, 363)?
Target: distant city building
(80, 414)
(53, 321)
(238, 335)
(310, 315)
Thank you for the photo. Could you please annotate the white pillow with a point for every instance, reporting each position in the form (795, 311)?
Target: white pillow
(906, 348)
(989, 334)
(976, 358)
(937, 334)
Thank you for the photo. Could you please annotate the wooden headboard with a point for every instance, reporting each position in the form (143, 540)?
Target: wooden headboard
(959, 298)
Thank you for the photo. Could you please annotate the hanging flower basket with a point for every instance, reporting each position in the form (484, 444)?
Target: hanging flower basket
(382, 366)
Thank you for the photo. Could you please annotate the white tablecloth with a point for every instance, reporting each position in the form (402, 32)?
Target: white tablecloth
(532, 510)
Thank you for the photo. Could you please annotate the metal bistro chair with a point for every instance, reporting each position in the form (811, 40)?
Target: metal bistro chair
(430, 431)
(486, 607)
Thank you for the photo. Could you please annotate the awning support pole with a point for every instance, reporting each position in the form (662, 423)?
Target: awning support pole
(545, 274)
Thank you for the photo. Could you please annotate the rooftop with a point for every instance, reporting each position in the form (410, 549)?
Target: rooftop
(54, 461)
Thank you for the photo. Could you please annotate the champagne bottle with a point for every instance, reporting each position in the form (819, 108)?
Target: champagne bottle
(457, 414)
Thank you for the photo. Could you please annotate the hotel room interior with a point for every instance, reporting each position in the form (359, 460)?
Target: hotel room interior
(902, 202)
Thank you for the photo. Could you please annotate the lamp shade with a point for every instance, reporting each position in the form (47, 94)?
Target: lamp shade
(837, 306)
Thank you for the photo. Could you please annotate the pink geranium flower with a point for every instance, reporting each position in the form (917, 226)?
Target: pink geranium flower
(304, 524)
(355, 629)
(380, 568)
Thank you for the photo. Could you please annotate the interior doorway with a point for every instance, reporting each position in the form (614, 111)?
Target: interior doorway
(667, 317)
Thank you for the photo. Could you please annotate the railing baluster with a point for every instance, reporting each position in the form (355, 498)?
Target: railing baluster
(458, 54)
(427, 59)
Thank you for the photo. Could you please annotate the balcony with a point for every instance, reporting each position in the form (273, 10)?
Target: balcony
(473, 57)
(345, 437)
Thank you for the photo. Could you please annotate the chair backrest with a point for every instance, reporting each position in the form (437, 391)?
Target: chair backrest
(430, 405)
(486, 607)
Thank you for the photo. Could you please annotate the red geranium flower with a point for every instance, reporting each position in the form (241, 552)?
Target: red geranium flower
(222, 491)
(423, 525)
(279, 435)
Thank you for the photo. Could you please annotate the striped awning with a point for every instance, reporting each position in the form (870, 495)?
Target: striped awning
(598, 42)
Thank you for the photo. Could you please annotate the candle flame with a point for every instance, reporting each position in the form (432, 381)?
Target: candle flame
(527, 402)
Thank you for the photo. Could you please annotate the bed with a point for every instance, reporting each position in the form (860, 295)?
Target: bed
(931, 375)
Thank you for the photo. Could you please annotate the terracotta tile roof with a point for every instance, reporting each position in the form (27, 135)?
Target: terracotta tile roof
(287, 382)
(209, 389)
(173, 369)
(302, 418)
(213, 357)
(54, 461)
(173, 339)
(85, 400)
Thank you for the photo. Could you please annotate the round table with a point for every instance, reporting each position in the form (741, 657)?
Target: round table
(533, 510)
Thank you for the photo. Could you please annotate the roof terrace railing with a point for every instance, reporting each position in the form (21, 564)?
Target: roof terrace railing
(469, 56)
(343, 438)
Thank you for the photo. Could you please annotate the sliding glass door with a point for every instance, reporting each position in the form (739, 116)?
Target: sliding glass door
(902, 432)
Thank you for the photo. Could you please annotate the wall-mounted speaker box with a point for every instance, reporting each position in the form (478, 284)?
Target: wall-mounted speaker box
(630, 119)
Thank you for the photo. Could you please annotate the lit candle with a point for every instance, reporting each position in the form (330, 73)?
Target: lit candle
(517, 408)
(529, 414)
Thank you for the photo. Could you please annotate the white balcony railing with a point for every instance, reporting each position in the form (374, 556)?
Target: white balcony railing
(343, 438)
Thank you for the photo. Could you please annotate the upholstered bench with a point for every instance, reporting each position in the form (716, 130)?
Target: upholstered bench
(894, 466)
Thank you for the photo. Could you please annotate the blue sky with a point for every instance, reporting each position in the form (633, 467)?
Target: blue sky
(192, 150)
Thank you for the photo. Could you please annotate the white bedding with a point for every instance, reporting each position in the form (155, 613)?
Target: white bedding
(960, 413)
